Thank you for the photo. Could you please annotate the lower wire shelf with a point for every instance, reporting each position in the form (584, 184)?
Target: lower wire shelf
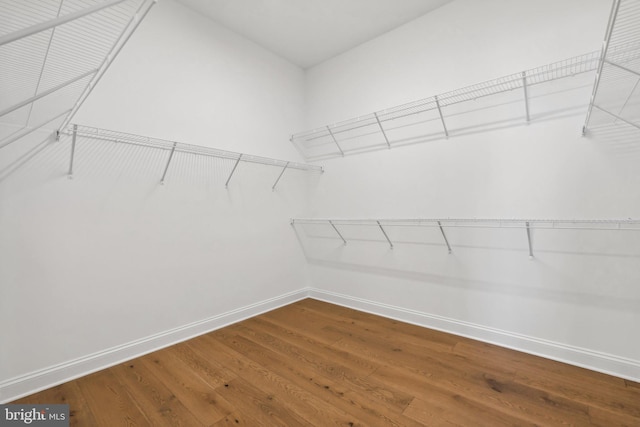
(442, 223)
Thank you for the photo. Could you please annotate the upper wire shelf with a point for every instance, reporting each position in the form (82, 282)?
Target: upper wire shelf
(80, 132)
(616, 91)
(53, 53)
(381, 129)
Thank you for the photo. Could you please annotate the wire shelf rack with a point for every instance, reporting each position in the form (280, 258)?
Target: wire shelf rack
(443, 223)
(376, 130)
(615, 97)
(82, 133)
(52, 54)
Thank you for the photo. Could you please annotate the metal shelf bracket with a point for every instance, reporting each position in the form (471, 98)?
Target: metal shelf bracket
(529, 240)
(444, 236)
(280, 176)
(166, 168)
(385, 234)
(73, 150)
(338, 232)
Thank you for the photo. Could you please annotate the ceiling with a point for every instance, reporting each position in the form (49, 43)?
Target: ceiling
(308, 32)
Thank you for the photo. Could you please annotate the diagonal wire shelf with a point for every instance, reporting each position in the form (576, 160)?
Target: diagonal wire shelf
(53, 53)
(615, 99)
(380, 129)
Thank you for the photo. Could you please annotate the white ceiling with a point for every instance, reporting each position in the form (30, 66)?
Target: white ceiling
(308, 32)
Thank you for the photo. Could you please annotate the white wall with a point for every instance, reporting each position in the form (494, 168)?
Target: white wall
(111, 257)
(578, 300)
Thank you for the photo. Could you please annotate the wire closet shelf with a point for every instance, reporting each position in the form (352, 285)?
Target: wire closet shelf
(330, 140)
(53, 53)
(442, 223)
(616, 91)
(77, 132)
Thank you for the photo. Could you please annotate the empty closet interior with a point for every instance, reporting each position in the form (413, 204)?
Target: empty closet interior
(162, 174)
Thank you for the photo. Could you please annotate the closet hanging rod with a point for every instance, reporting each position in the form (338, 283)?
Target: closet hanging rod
(553, 224)
(178, 147)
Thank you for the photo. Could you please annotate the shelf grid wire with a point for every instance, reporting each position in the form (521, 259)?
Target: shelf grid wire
(48, 46)
(556, 224)
(329, 141)
(91, 133)
(616, 92)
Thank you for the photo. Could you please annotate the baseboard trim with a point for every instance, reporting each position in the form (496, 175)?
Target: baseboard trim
(585, 358)
(33, 382)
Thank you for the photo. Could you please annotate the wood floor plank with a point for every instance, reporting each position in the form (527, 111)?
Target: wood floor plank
(68, 393)
(267, 409)
(605, 418)
(456, 410)
(110, 402)
(309, 406)
(193, 392)
(158, 403)
(314, 363)
(392, 397)
(360, 403)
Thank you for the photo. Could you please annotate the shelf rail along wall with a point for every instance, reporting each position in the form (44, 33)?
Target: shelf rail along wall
(379, 130)
(527, 225)
(53, 53)
(86, 134)
(616, 91)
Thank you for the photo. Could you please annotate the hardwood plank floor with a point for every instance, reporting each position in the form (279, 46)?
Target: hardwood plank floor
(318, 364)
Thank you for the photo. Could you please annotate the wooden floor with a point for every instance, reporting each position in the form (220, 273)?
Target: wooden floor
(317, 364)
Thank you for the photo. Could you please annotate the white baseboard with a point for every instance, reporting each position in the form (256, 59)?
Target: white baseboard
(33, 382)
(585, 358)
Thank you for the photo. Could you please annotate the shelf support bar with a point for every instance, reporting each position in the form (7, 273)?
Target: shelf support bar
(280, 176)
(17, 136)
(603, 54)
(526, 94)
(42, 26)
(622, 68)
(529, 240)
(46, 92)
(616, 116)
(226, 184)
(73, 150)
(336, 230)
(444, 236)
(382, 130)
(446, 132)
(335, 140)
(166, 168)
(385, 234)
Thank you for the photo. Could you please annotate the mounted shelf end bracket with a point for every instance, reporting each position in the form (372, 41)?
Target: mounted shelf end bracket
(529, 240)
(338, 232)
(385, 234)
(444, 236)
(73, 150)
(166, 168)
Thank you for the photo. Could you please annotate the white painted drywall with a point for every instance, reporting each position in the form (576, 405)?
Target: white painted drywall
(111, 256)
(582, 287)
